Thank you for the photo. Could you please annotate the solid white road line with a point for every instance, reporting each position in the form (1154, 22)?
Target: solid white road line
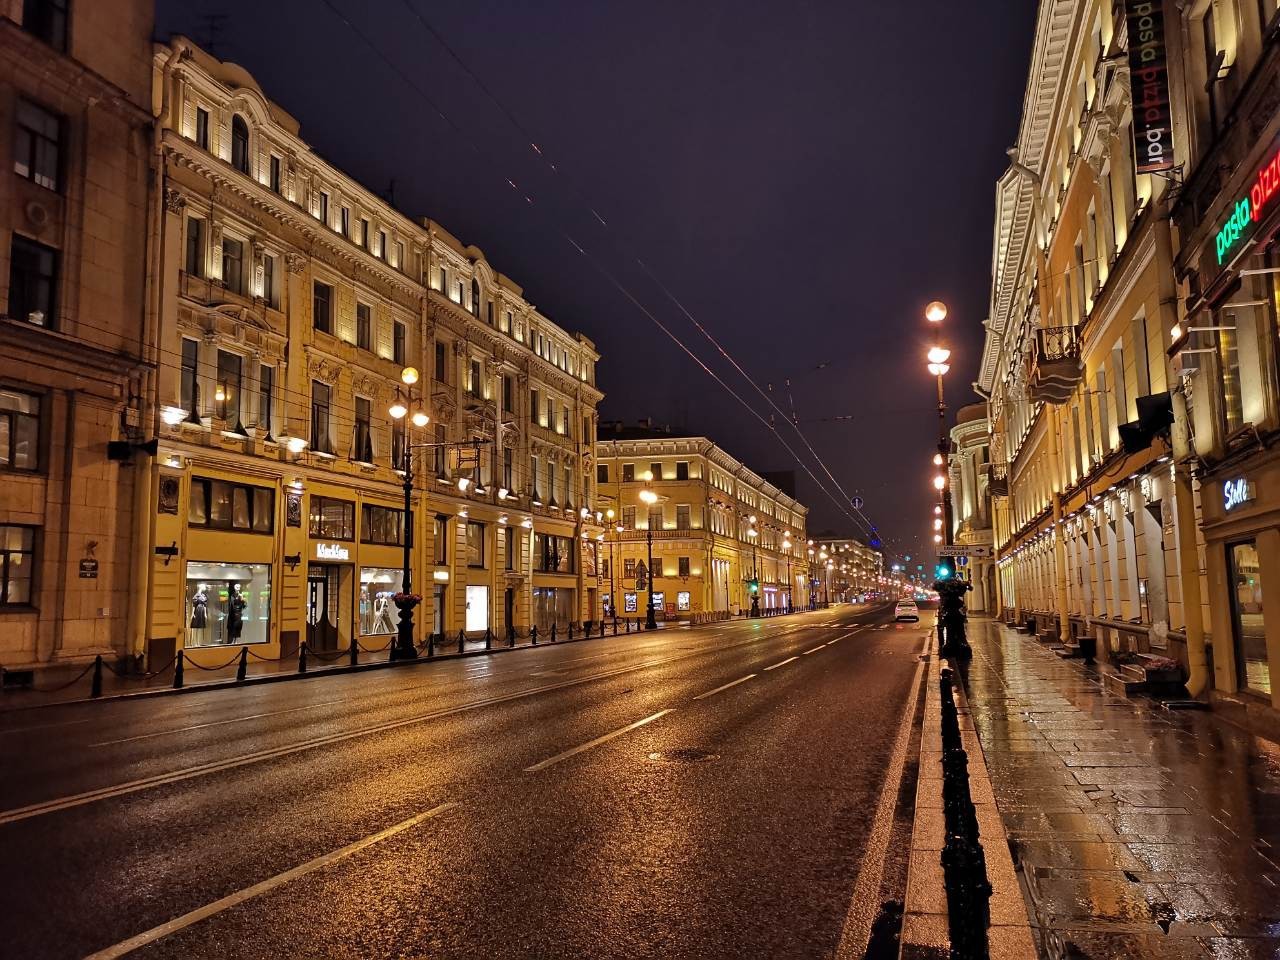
(732, 683)
(216, 723)
(856, 932)
(552, 761)
(814, 650)
(782, 664)
(248, 893)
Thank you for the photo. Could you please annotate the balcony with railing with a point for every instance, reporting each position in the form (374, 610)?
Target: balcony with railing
(1056, 368)
(998, 479)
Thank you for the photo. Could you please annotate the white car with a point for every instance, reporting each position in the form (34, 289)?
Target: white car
(906, 610)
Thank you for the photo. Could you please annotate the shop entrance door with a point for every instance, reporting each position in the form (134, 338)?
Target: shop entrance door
(322, 607)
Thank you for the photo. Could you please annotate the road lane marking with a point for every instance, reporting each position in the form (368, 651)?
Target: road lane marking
(782, 664)
(814, 650)
(856, 931)
(574, 751)
(215, 723)
(722, 687)
(45, 726)
(248, 893)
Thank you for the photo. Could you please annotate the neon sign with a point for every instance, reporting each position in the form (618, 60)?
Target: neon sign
(1236, 492)
(1248, 210)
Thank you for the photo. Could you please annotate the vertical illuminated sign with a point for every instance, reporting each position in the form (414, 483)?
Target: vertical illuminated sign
(1149, 76)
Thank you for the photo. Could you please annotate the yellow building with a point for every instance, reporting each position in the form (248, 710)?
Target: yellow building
(969, 468)
(75, 87)
(844, 569)
(1094, 526)
(715, 527)
(290, 299)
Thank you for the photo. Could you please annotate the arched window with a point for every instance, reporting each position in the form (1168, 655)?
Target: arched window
(475, 296)
(239, 144)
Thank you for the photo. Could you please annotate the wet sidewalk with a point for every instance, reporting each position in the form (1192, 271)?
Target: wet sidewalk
(1138, 832)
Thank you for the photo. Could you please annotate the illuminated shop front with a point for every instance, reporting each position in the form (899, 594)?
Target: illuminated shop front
(227, 603)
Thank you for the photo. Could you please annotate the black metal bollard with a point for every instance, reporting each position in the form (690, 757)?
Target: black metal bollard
(462, 641)
(570, 629)
(242, 668)
(488, 639)
(533, 634)
(553, 632)
(95, 689)
(615, 626)
(431, 645)
(511, 635)
(302, 657)
(601, 626)
(177, 671)
(355, 652)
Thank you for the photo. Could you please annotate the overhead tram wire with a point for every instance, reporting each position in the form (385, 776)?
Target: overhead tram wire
(541, 155)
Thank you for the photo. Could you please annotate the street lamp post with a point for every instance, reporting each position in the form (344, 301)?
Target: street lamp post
(650, 620)
(403, 648)
(786, 552)
(752, 533)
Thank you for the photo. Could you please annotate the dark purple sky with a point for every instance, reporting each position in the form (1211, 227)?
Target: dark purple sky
(804, 176)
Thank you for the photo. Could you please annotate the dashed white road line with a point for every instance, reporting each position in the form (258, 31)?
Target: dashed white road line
(782, 664)
(722, 687)
(814, 650)
(248, 893)
(574, 751)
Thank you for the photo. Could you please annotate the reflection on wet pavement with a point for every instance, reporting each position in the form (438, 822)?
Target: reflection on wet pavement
(1139, 833)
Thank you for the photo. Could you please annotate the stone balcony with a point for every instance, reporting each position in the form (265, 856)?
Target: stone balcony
(1056, 367)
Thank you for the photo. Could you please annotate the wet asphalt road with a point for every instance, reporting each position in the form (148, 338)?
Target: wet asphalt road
(535, 804)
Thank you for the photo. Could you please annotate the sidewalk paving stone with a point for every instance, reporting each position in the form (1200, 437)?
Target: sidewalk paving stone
(1137, 832)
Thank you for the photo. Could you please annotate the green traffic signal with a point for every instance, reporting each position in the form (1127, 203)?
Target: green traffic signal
(753, 586)
(942, 572)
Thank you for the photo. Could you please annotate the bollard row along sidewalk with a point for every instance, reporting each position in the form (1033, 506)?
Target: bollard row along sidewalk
(1137, 831)
(924, 923)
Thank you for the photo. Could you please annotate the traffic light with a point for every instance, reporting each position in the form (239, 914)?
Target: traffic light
(942, 571)
(753, 586)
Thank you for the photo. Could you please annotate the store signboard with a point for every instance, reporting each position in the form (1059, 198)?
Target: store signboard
(1149, 72)
(1236, 493)
(332, 551)
(1248, 208)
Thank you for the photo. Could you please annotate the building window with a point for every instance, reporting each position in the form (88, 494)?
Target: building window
(1252, 667)
(322, 307)
(629, 518)
(364, 327)
(46, 19)
(473, 387)
(508, 394)
(195, 246)
(381, 525)
(399, 255)
(506, 327)
(190, 383)
(382, 244)
(226, 393)
(270, 292)
(275, 174)
(324, 208)
(320, 441)
(564, 421)
(398, 333)
(508, 469)
(224, 505)
(364, 233)
(475, 298)
(397, 444)
(36, 148)
(239, 144)
(628, 568)
(602, 473)
(442, 363)
(475, 544)
(266, 397)
(227, 603)
(552, 554)
(441, 540)
(444, 279)
(233, 265)
(656, 470)
(17, 564)
(19, 430)
(333, 519)
(344, 221)
(682, 469)
(535, 405)
(568, 486)
(655, 517)
(33, 282)
(509, 538)
(683, 566)
(202, 128)
(1229, 370)
(378, 612)
(682, 516)
(628, 473)
(440, 452)
(362, 436)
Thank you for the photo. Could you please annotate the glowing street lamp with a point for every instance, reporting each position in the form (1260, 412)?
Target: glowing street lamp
(936, 311)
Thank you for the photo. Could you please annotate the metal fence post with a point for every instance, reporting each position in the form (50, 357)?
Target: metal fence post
(178, 670)
(95, 690)
(242, 668)
(302, 657)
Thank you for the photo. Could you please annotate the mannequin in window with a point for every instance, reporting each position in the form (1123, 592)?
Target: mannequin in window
(235, 614)
(200, 610)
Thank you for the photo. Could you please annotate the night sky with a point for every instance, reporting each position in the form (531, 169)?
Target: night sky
(803, 176)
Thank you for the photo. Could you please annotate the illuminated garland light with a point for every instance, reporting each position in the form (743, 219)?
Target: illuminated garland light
(1249, 209)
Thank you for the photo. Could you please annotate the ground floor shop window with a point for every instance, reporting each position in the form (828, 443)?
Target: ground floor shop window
(659, 599)
(553, 605)
(378, 615)
(682, 600)
(477, 608)
(1248, 623)
(438, 593)
(629, 603)
(228, 603)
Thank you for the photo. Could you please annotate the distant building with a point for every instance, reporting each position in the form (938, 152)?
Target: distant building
(844, 568)
(717, 527)
(75, 80)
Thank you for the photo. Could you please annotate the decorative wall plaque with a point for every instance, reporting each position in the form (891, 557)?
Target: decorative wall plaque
(168, 494)
(293, 510)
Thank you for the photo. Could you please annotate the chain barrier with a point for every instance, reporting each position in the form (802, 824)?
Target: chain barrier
(964, 864)
(62, 686)
(385, 646)
(221, 666)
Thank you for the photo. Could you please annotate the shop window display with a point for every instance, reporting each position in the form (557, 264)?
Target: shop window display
(228, 603)
(378, 615)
